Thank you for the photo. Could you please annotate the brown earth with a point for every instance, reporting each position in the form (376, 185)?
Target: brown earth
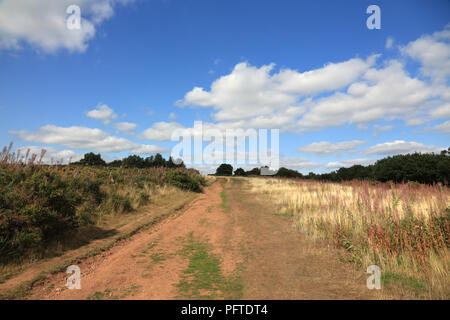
(267, 257)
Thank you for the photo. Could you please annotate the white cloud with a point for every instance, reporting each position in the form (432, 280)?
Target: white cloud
(51, 155)
(298, 163)
(415, 121)
(42, 24)
(102, 112)
(389, 42)
(443, 127)
(325, 147)
(354, 92)
(377, 129)
(349, 163)
(400, 147)
(172, 116)
(441, 112)
(253, 97)
(147, 149)
(85, 139)
(249, 90)
(383, 93)
(433, 52)
(126, 127)
(161, 131)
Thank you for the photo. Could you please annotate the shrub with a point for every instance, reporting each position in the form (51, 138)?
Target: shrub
(184, 180)
(35, 206)
(40, 203)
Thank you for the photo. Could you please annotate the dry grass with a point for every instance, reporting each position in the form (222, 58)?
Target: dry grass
(403, 228)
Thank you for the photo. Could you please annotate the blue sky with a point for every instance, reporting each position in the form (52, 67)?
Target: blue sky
(340, 93)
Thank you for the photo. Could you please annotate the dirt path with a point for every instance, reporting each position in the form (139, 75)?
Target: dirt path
(226, 244)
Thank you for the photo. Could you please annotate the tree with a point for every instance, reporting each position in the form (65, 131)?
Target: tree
(133, 161)
(159, 161)
(254, 172)
(240, 172)
(224, 170)
(115, 163)
(288, 173)
(92, 159)
(149, 162)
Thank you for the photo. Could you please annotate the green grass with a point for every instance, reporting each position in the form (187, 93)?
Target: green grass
(224, 197)
(24, 289)
(108, 293)
(403, 281)
(203, 278)
(158, 257)
(96, 296)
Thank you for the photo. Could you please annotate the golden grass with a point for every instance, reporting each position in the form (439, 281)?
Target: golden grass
(404, 228)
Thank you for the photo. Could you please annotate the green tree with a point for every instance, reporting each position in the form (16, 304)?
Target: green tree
(240, 172)
(224, 170)
(133, 161)
(254, 172)
(115, 163)
(288, 173)
(92, 159)
(159, 161)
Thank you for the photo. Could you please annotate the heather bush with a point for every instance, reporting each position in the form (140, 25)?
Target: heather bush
(35, 206)
(186, 180)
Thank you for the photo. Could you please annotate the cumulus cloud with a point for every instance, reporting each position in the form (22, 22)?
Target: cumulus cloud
(102, 112)
(161, 131)
(42, 24)
(353, 92)
(386, 92)
(443, 127)
(85, 139)
(377, 129)
(441, 112)
(349, 163)
(400, 147)
(325, 147)
(389, 42)
(249, 90)
(126, 127)
(433, 52)
(299, 163)
(52, 155)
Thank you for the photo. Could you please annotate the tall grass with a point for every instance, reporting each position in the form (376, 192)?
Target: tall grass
(403, 228)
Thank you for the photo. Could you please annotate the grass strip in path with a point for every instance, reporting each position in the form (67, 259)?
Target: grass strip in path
(203, 278)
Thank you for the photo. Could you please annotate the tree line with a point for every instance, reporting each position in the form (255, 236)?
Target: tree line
(426, 168)
(132, 161)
